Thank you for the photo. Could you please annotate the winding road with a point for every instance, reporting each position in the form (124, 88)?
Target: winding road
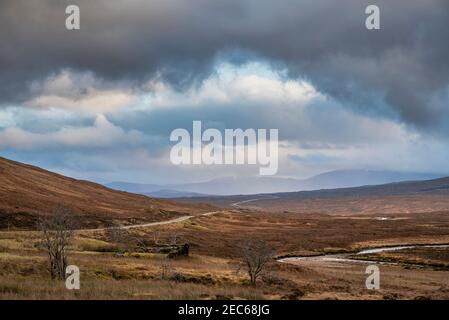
(238, 203)
(175, 220)
(153, 224)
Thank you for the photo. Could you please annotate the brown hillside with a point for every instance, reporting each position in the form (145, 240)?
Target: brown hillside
(27, 192)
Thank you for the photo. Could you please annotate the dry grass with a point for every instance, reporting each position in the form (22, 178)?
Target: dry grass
(38, 288)
(105, 275)
(210, 271)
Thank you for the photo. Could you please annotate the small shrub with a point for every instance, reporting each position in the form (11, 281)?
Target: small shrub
(9, 289)
(295, 294)
(273, 279)
(390, 296)
(178, 277)
(99, 247)
(422, 298)
(166, 270)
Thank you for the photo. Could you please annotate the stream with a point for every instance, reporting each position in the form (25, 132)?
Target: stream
(346, 257)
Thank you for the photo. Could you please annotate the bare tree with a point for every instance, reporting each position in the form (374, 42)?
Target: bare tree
(156, 236)
(57, 232)
(173, 239)
(255, 254)
(120, 236)
(143, 244)
(125, 240)
(166, 269)
(117, 233)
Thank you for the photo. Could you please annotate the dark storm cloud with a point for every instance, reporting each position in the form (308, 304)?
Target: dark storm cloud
(401, 70)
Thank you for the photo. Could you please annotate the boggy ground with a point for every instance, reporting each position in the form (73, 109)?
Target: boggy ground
(212, 270)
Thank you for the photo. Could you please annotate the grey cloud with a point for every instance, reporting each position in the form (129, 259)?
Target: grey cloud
(311, 124)
(399, 71)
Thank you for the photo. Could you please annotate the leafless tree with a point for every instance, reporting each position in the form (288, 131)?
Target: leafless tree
(166, 269)
(255, 254)
(143, 244)
(156, 236)
(117, 234)
(120, 236)
(125, 240)
(173, 239)
(57, 230)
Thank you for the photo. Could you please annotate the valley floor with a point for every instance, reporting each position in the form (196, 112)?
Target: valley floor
(111, 270)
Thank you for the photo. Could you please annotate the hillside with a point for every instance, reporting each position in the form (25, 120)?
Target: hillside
(27, 192)
(397, 188)
(402, 197)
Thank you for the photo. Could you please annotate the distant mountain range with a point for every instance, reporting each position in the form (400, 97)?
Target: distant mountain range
(257, 185)
(388, 189)
(406, 196)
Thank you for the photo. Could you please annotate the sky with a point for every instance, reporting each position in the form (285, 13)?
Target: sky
(99, 103)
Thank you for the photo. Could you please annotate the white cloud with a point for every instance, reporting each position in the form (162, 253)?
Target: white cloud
(321, 133)
(101, 134)
(255, 84)
(79, 92)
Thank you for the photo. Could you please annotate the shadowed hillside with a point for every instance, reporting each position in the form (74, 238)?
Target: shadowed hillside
(27, 192)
